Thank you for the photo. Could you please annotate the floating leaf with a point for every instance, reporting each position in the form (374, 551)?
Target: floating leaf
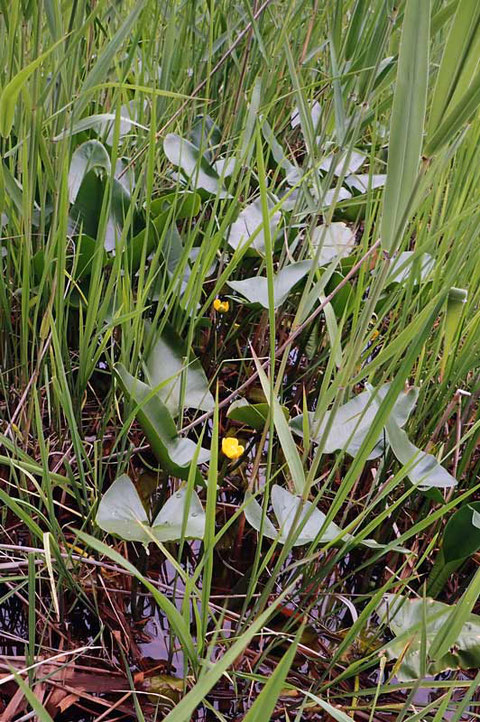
(174, 452)
(254, 415)
(101, 123)
(86, 210)
(185, 204)
(164, 686)
(248, 221)
(255, 289)
(279, 155)
(193, 164)
(167, 525)
(166, 365)
(354, 162)
(461, 537)
(365, 182)
(423, 469)
(406, 619)
(315, 112)
(286, 507)
(334, 196)
(225, 167)
(352, 421)
(121, 512)
(119, 208)
(410, 265)
(337, 240)
(206, 135)
(86, 247)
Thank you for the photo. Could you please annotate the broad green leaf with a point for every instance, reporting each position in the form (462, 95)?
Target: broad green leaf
(225, 166)
(253, 514)
(193, 164)
(100, 123)
(166, 366)
(121, 511)
(333, 195)
(174, 452)
(278, 152)
(144, 243)
(286, 506)
(186, 204)
(254, 415)
(405, 618)
(10, 93)
(315, 110)
(447, 637)
(406, 128)
(337, 240)
(423, 469)
(85, 250)
(410, 265)
(365, 182)
(89, 155)
(345, 163)
(340, 301)
(250, 220)
(352, 421)
(206, 135)
(255, 289)
(86, 210)
(461, 537)
(120, 205)
(168, 524)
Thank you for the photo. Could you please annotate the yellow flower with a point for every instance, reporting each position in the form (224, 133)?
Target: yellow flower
(221, 306)
(231, 447)
(375, 335)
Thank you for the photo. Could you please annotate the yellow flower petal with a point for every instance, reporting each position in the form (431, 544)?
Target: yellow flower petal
(221, 306)
(231, 448)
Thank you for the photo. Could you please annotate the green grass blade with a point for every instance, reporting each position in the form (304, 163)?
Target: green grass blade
(462, 33)
(185, 708)
(406, 129)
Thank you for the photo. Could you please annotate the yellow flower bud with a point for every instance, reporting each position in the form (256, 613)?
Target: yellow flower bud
(221, 306)
(231, 447)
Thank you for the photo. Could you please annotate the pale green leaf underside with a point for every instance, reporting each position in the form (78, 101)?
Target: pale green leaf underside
(121, 512)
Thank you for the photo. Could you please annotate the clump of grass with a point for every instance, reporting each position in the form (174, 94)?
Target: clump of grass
(239, 376)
